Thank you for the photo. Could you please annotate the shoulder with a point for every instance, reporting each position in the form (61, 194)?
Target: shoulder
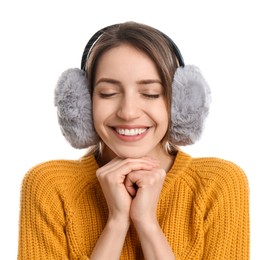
(215, 175)
(59, 175)
(219, 170)
(221, 183)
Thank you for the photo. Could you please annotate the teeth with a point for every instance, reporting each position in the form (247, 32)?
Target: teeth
(130, 132)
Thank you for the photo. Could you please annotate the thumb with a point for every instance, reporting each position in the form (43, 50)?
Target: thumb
(131, 186)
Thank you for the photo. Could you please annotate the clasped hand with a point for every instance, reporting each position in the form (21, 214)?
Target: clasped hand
(131, 188)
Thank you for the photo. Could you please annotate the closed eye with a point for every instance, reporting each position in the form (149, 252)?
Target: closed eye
(107, 95)
(151, 96)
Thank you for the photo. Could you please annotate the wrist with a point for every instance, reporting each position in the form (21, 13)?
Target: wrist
(118, 222)
(146, 224)
(144, 219)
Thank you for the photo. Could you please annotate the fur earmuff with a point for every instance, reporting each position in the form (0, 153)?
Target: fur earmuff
(190, 105)
(73, 103)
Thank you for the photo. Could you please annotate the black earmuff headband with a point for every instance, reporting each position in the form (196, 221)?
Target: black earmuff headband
(96, 36)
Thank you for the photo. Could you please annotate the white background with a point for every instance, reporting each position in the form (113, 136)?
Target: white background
(226, 39)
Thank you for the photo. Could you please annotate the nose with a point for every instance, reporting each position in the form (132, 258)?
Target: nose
(129, 108)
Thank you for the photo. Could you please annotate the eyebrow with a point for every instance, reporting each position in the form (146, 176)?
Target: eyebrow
(107, 80)
(149, 81)
(117, 82)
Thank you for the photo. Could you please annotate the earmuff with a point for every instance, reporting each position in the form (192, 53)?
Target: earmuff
(189, 106)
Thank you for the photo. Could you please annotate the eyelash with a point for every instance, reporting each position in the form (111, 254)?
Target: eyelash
(104, 95)
(150, 96)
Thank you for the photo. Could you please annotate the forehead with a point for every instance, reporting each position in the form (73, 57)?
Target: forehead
(128, 60)
(124, 50)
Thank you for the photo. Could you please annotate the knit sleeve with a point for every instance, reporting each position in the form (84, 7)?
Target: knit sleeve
(226, 225)
(42, 218)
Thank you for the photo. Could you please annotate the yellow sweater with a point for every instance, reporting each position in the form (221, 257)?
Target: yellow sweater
(203, 211)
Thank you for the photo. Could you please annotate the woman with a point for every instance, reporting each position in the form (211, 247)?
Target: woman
(136, 194)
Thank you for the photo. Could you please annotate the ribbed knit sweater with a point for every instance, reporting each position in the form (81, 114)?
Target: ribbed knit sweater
(203, 211)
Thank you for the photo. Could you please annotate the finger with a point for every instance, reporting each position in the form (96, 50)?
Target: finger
(131, 187)
(133, 166)
(146, 178)
(123, 167)
(118, 162)
(136, 177)
(111, 164)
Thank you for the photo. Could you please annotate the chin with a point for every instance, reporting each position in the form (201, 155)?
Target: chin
(135, 153)
(131, 154)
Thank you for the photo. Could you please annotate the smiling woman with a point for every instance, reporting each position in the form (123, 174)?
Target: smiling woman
(135, 194)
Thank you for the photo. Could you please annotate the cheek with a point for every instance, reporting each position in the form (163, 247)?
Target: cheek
(165, 119)
(160, 116)
(101, 112)
(96, 112)
(98, 121)
(162, 113)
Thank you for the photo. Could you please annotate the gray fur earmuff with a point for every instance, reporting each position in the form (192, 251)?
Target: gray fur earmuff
(189, 107)
(73, 103)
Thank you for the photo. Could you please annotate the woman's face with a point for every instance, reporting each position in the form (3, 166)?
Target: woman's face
(129, 108)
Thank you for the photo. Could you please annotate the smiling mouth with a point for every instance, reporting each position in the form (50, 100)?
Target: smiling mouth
(130, 132)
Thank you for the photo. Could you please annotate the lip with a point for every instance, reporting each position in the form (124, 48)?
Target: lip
(141, 132)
